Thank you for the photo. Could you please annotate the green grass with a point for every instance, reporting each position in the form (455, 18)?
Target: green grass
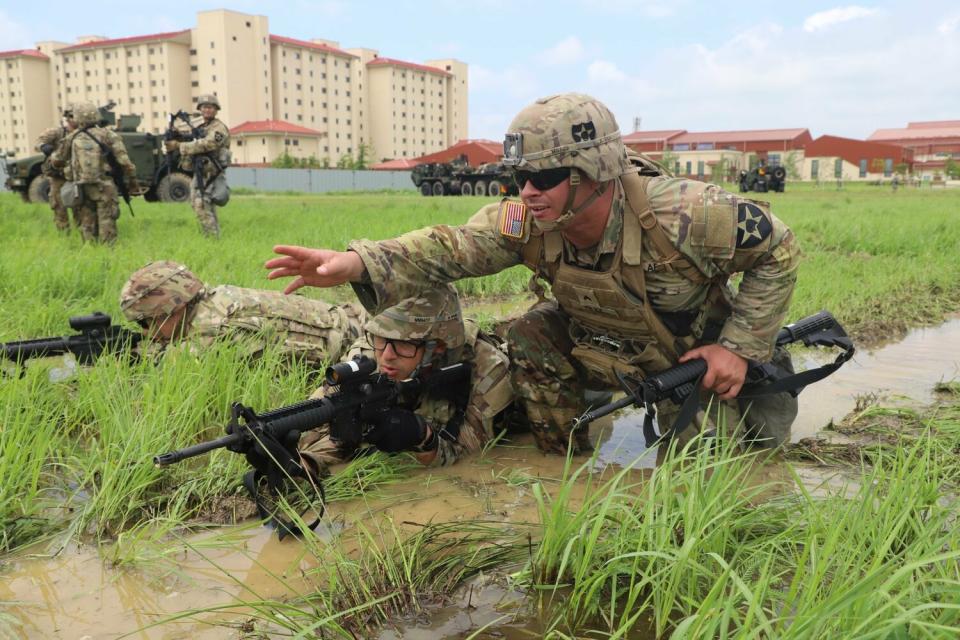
(690, 552)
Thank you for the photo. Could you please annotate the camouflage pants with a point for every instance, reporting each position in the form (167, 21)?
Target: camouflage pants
(551, 384)
(60, 218)
(205, 210)
(97, 214)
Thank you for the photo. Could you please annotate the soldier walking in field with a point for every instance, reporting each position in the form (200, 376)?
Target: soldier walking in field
(172, 305)
(208, 156)
(49, 142)
(639, 263)
(95, 162)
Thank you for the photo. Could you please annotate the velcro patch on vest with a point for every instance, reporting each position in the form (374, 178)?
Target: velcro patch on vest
(512, 220)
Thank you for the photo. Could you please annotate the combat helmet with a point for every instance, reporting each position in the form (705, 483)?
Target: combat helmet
(208, 98)
(567, 130)
(434, 316)
(158, 290)
(86, 114)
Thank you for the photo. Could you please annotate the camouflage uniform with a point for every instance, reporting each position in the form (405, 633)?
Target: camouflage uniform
(656, 285)
(85, 164)
(53, 138)
(208, 157)
(311, 330)
(466, 422)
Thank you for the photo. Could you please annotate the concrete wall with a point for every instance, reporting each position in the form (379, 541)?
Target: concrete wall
(317, 180)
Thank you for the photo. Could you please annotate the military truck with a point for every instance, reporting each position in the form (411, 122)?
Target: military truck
(158, 173)
(459, 178)
(763, 178)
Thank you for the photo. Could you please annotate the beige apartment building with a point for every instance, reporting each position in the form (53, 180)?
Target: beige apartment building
(335, 100)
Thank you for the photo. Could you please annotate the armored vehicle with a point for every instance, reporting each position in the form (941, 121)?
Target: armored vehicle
(158, 173)
(459, 178)
(763, 178)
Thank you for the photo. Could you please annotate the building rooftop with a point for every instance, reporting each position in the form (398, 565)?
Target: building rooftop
(638, 137)
(306, 44)
(378, 61)
(933, 124)
(749, 135)
(113, 42)
(273, 126)
(916, 133)
(30, 53)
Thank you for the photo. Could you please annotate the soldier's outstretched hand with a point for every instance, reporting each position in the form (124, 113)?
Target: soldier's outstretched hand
(314, 267)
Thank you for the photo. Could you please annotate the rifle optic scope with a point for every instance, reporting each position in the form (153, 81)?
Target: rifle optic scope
(351, 371)
(90, 322)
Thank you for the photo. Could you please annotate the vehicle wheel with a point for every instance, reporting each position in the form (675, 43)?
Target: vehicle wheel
(39, 189)
(466, 189)
(426, 189)
(779, 173)
(174, 188)
(439, 189)
(495, 190)
(480, 187)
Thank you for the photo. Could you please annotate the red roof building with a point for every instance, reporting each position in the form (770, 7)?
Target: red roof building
(110, 42)
(29, 53)
(392, 62)
(273, 127)
(756, 141)
(930, 141)
(258, 142)
(646, 141)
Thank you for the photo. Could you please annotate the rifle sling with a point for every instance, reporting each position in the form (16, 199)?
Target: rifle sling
(792, 383)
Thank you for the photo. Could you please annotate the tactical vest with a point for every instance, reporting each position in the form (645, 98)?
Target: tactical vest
(85, 158)
(613, 325)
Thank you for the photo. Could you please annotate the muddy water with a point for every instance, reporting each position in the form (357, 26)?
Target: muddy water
(77, 594)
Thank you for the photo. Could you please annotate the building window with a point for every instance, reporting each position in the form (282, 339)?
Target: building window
(887, 167)
(863, 168)
(689, 167)
(773, 160)
(838, 168)
(700, 169)
(814, 169)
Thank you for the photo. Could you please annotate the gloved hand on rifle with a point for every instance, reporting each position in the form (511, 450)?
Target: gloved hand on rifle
(171, 145)
(400, 430)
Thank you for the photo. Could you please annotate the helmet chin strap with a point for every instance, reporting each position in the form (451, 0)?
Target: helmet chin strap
(568, 212)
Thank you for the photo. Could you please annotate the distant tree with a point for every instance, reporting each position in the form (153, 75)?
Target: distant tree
(669, 160)
(952, 169)
(792, 164)
(718, 172)
(345, 162)
(284, 161)
(364, 152)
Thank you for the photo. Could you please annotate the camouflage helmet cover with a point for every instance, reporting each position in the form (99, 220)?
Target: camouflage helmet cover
(435, 314)
(567, 130)
(158, 290)
(86, 114)
(208, 98)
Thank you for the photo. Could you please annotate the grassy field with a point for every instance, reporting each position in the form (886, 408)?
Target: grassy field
(702, 561)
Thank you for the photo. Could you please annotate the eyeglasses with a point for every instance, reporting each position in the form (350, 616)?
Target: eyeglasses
(403, 348)
(542, 180)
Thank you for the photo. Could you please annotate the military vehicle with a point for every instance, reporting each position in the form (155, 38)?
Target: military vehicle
(459, 178)
(763, 178)
(158, 173)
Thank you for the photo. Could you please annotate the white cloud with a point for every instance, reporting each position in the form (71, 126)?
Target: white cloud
(825, 19)
(950, 25)
(602, 72)
(13, 35)
(566, 51)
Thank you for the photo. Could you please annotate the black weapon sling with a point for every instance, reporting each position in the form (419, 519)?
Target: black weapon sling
(116, 171)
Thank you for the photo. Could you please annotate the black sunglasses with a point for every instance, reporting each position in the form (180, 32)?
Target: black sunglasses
(542, 180)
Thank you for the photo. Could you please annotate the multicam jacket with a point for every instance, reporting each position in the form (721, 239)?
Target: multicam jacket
(489, 396)
(54, 136)
(717, 234)
(215, 144)
(313, 330)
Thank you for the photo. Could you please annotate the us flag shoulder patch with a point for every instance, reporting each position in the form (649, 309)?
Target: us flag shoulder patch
(512, 219)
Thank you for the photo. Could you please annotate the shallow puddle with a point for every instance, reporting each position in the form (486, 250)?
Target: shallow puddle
(78, 595)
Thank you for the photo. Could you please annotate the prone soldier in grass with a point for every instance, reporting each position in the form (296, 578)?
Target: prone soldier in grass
(639, 262)
(411, 340)
(172, 305)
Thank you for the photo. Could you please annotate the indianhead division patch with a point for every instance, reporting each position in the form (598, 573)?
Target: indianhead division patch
(753, 225)
(512, 219)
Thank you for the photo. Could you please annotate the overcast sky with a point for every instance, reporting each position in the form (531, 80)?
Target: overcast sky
(835, 68)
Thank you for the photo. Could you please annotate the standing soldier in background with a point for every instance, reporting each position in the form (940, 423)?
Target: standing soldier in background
(96, 166)
(49, 142)
(208, 156)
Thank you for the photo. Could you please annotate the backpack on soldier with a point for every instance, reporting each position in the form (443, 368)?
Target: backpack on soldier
(86, 159)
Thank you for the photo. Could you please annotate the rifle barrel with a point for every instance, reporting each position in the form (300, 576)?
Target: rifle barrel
(172, 457)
